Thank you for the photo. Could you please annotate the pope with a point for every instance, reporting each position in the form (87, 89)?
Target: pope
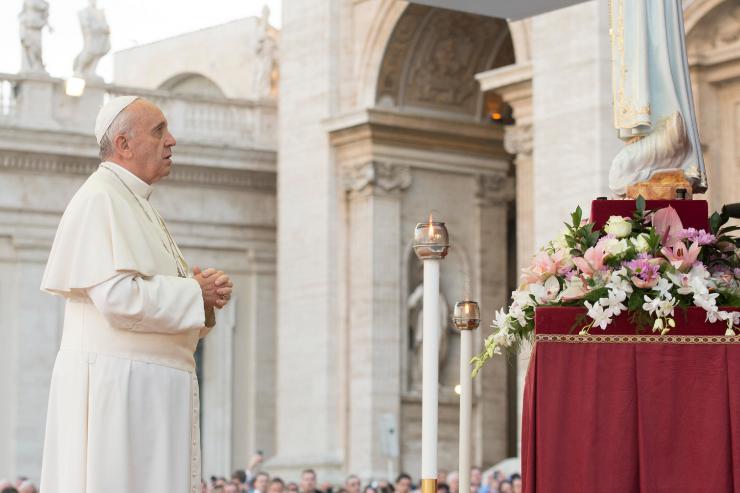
(123, 402)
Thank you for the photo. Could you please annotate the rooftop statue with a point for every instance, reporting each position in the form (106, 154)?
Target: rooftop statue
(653, 104)
(96, 38)
(34, 16)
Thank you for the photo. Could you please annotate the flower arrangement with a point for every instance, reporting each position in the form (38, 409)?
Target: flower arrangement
(647, 265)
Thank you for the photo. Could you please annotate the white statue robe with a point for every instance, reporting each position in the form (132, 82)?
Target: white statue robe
(651, 90)
(123, 404)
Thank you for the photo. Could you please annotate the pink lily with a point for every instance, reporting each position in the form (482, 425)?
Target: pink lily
(544, 266)
(680, 257)
(593, 258)
(668, 225)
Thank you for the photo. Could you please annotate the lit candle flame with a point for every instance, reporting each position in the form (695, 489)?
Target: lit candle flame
(431, 228)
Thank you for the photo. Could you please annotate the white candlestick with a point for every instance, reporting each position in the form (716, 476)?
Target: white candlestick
(466, 408)
(430, 371)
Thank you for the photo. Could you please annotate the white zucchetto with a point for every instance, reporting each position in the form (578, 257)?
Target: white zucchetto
(109, 112)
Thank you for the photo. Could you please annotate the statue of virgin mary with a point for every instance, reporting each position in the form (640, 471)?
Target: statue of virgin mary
(653, 104)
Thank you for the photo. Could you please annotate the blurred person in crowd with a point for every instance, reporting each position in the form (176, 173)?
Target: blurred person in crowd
(292, 487)
(490, 483)
(276, 486)
(403, 483)
(443, 488)
(441, 477)
(475, 479)
(505, 487)
(499, 475)
(231, 487)
(217, 484)
(253, 466)
(27, 487)
(260, 482)
(384, 486)
(240, 477)
(352, 484)
(308, 481)
(370, 489)
(326, 487)
(453, 481)
(516, 483)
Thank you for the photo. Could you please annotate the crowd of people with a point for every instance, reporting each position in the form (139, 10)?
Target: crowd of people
(20, 485)
(244, 481)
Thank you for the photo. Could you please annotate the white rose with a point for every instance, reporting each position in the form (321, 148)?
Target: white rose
(618, 226)
(615, 247)
(640, 243)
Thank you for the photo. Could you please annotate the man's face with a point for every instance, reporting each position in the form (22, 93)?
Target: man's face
(475, 476)
(403, 485)
(150, 141)
(353, 485)
(275, 488)
(260, 483)
(308, 482)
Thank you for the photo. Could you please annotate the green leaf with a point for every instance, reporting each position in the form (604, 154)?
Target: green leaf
(715, 221)
(576, 216)
(640, 204)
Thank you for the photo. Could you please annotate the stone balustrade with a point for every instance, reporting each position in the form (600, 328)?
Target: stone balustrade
(41, 103)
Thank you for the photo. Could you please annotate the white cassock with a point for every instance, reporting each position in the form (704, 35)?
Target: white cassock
(123, 405)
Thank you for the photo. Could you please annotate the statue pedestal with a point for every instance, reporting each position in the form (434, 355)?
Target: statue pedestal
(693, 213)
(620, 411)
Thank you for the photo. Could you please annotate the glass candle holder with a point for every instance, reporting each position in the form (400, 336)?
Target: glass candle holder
(431, 240)
(466, 315)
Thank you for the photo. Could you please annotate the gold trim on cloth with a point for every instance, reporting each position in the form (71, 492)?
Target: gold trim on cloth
(627, 113)
(636, 339)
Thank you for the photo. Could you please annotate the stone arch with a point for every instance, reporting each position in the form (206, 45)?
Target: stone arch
(396, 22)
(712, 25)
(432, 56)
(192, 83)
(697, 10)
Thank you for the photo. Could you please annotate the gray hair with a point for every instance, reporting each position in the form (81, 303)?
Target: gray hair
(121, 125)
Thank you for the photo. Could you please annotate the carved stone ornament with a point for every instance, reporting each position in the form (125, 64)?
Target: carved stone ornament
(717, 30)
(433, 55)
(518, 139)
(495, 189)
(379, 175)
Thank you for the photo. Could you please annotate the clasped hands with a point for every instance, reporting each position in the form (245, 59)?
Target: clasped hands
(215, 285)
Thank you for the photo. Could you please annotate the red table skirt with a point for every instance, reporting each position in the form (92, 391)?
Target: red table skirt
(616, 412)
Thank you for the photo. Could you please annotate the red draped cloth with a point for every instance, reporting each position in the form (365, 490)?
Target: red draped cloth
(619, 412)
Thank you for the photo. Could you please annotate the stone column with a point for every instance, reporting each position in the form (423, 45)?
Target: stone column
(308, 410)
(492, 432)
(373, 338)
(514, 84)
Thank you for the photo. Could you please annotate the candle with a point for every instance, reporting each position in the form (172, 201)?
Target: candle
(466, 317)
(431, 244)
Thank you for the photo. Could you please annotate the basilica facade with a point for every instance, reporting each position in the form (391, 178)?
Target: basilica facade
(305, 157)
